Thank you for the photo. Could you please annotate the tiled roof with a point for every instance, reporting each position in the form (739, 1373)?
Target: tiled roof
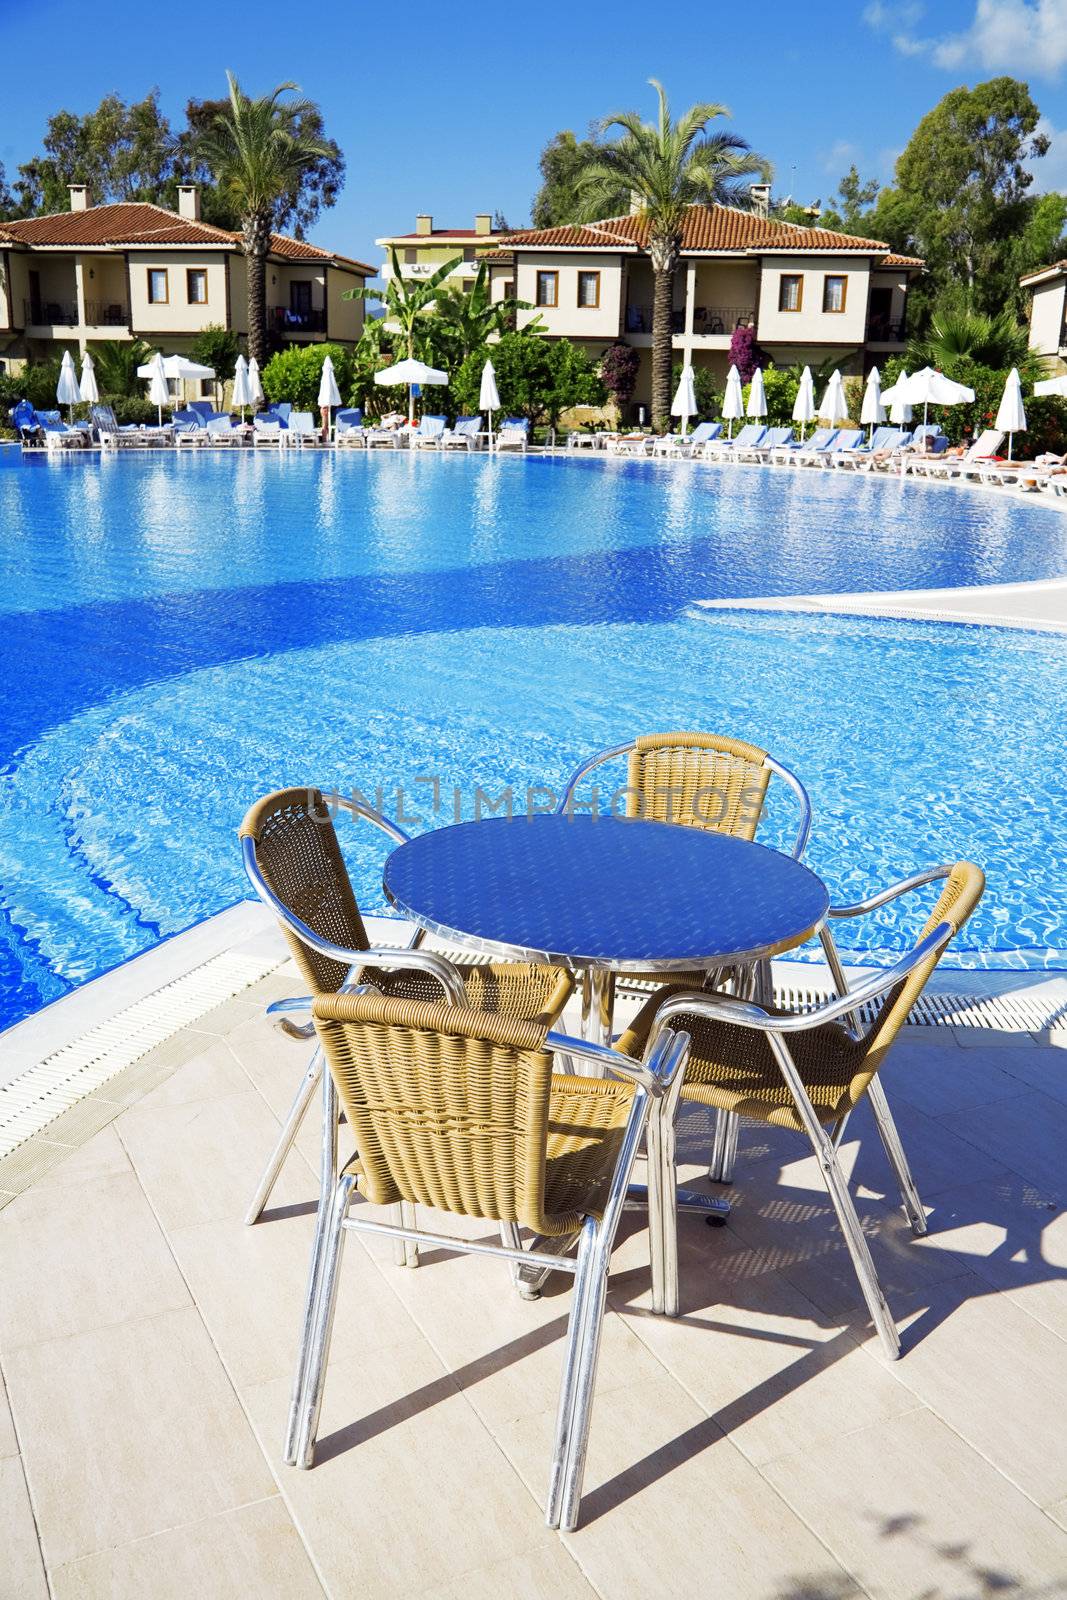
(1041, 272)
(902, 261)
(139, 223)
(705, 228)
(441, 233)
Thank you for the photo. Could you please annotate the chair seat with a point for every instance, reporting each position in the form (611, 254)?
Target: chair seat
(508, 988)
(734, 1069)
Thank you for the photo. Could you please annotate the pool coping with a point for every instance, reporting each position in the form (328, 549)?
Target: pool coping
(1039, 605)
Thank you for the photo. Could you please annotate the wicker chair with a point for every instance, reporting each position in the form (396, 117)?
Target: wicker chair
(294, 862)
(461, 1111)
(701, 780)
(808, 1072)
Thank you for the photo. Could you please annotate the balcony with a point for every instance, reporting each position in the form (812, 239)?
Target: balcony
(286, 320)
(883, 330)
(56, 314)
(706, 319)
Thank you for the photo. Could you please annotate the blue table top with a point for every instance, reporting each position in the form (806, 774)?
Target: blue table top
(592, 892)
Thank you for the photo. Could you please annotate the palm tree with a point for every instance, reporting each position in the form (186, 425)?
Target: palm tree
(666, 166)
(407, 301)
(956, 332)
(116, 362)
(257, 150)
(469, 317)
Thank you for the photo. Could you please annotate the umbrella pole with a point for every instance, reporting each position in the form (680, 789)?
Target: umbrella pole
(411, 405)
(490, 430)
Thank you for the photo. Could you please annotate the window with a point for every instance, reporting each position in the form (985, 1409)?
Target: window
(790, 291)
(469, 253)
(834, 290)
(411, 255)
(158, 293)
(196, 286)
(548, 288)
(589, 289)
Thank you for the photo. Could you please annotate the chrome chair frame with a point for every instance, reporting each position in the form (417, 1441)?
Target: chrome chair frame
(412, 956)
(654, 1078)
(598, 988)
(747, 1014)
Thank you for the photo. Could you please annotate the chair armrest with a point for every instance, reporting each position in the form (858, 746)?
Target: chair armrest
(655, 1074)
(744, 1014)
(582, 769)
(884, 896)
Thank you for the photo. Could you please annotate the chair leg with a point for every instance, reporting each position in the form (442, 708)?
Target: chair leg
(585, 1382)
(290, 1128)
(894, 1150)
(724, 1147)
(837, 1189)
(327, 1185)
(330, 1252)
(405, 1251)
(569, 1379)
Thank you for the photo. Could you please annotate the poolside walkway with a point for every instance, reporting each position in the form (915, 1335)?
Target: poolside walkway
(758, 1448)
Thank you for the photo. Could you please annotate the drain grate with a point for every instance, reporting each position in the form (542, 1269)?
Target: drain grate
(44, 1091)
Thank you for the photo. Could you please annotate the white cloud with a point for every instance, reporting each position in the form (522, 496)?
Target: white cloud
(841, 156)
(1050, 172)
(1027, 37)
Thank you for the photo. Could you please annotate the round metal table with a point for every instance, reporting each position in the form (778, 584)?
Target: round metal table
(601, 895)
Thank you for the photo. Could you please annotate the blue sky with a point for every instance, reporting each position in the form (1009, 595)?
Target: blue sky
(445, 107)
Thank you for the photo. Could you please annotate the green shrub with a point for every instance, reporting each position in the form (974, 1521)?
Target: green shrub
(537, 378)
(1046, 416)
(708, 392)
(294, 374)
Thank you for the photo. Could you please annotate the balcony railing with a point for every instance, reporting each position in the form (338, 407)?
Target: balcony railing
(57, 314)
(286, 320)
(882, 330)
(706, 319)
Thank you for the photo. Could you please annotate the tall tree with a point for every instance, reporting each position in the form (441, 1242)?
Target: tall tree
(560, 200)
(960, 197)
(407, 301)
(123, 152)
(312, 189)
(257, 149)
(469, 317)
(855, 199)
(7, 199)
(666, 166)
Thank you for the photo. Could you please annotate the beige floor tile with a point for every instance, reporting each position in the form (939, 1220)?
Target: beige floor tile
(761, 1360)
(9, 1445)
(1058, 1513)
(1044, 1069)
(229, 1014)
(409, 1489)
(546, 1571)
(935, 1081)
(911, 1511)
(30, 1162)
(199, 1162)
(21, 1568)
(939, 1158)
(209, 1075)
(1027, 1133)
(252, 1551)
(994, 1038)
(87, 1260)
(249, 1284)
(102, 1156)
(666, 1493)
(995, 1375)
(130, 1430)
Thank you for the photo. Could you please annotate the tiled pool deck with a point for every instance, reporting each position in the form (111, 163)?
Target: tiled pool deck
(758, 1448)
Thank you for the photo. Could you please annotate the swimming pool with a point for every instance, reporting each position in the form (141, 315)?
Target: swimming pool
(180, 634)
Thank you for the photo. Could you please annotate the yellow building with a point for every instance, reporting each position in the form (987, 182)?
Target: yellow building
(138, 271)
(428, 248)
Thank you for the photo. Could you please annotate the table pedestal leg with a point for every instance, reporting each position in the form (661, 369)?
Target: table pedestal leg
(598, 1006)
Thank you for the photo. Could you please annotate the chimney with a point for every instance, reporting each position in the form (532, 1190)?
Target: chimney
(423, 223)
(760, 194)
(189, 201)
(483, 222)
(79, 196)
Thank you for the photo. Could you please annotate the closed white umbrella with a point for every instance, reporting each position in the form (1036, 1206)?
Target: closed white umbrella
(684, 404)
(67, 391)
(329, 393)
(1011, 417)
(872, 412)
(804, 404)
(410, 372)
(1053, 386)
(87, 389)
(178, 369)
(896, 397)
(757, 396)
(929, 387)
(242, 389)
(158, 392)
(255, 385)
(834, 405)
(733, 401)
(489, 396)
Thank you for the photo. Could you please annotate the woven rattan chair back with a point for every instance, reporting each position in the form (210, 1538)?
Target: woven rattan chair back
(459, 1109)
(699, 779)
(300, 859)
(963, 890)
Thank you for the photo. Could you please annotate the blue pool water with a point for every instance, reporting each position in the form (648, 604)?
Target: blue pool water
(181, 634)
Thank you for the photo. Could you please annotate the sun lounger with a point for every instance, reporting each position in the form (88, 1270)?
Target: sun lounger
(772, 440)
(427, 436)
(464, 436)
(847, 443)
(267, 431)
(677, 444)
(631, 444)
(861, 458)
(205, 411)
(301, 430)
(816, 451)
(224, 431)
(348, 427)
(978, 455)
(514, 434)
(751, 435)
